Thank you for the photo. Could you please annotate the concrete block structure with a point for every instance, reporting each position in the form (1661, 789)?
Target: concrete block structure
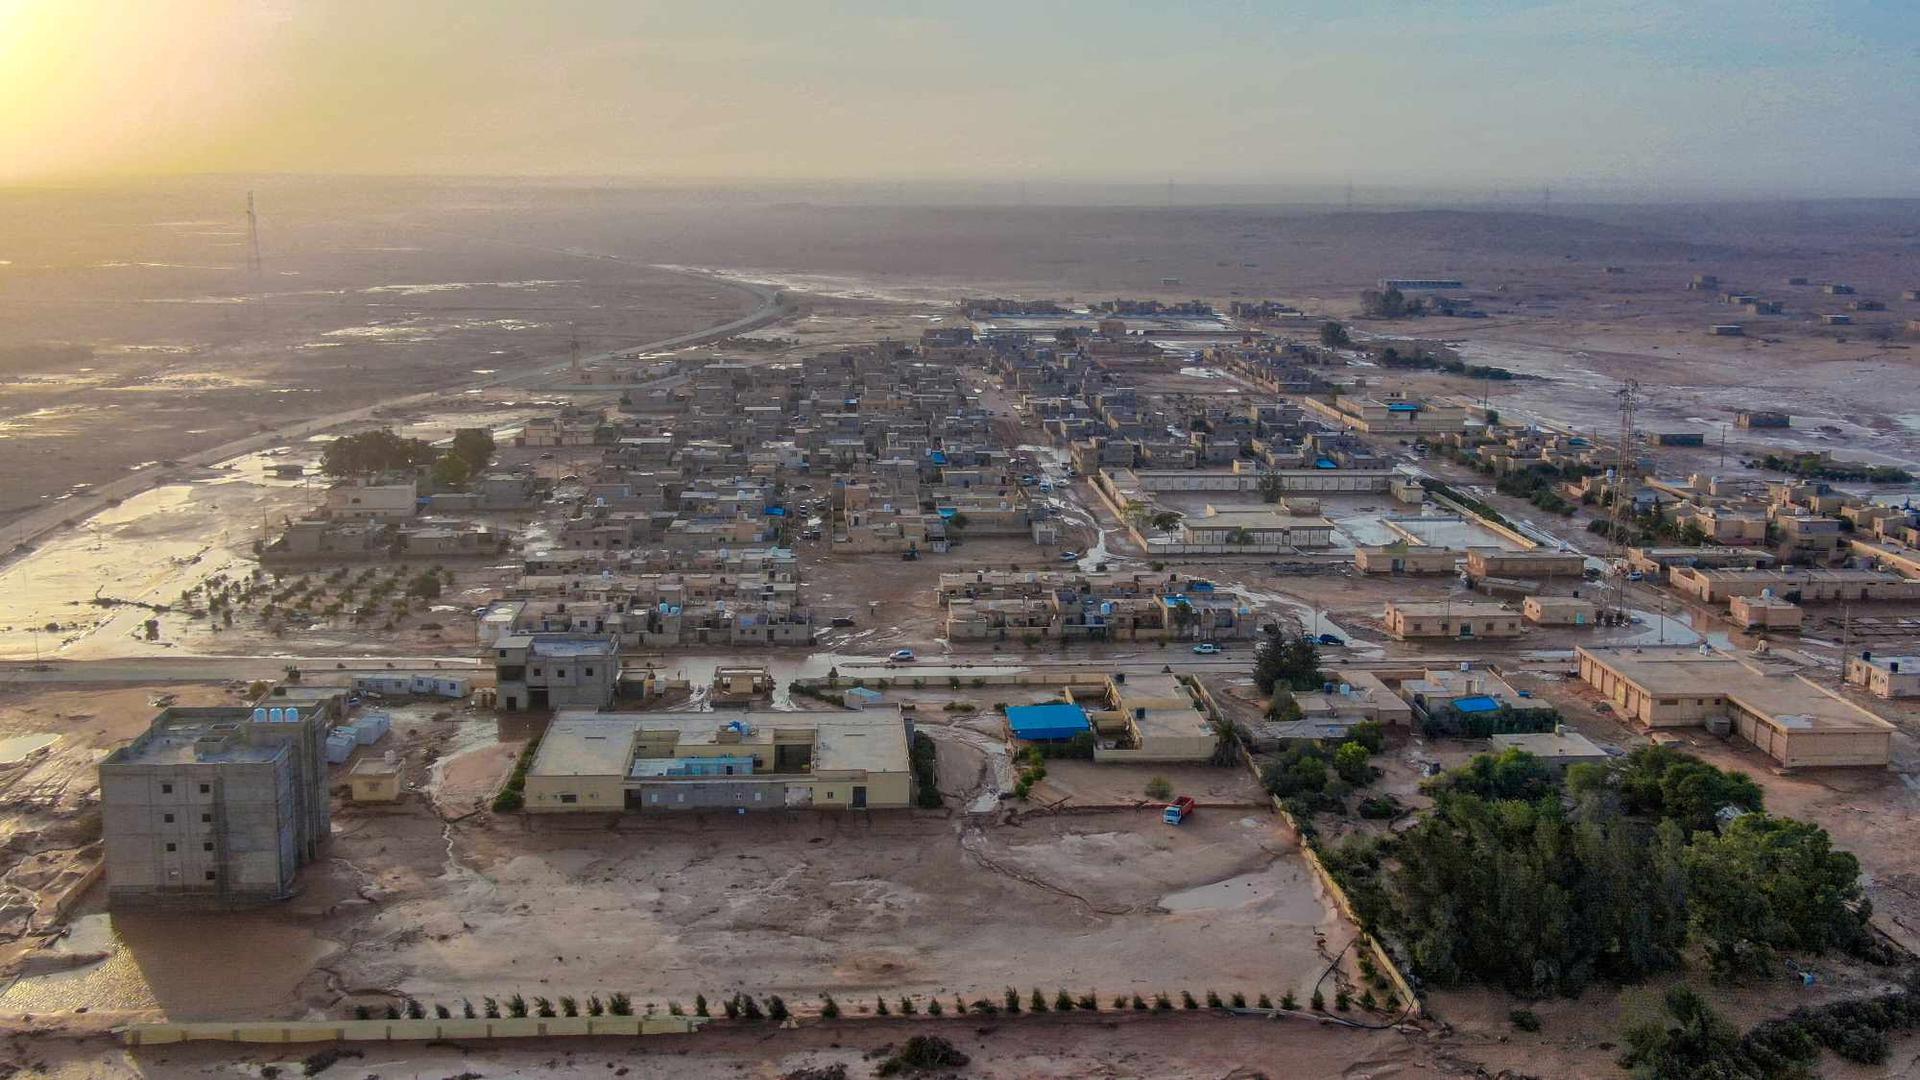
(555, 671)
(1559, 748)
(215, 807)
(1152, 718)
(1792, 720)
(1715, 586)
(1764, 612)
(1558, 611)
(1885, 676)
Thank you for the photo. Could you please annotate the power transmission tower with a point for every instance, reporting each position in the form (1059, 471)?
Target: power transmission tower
(253, 238)
(1622, 492)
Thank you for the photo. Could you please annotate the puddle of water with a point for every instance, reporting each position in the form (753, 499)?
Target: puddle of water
(20, 747)
(1283, 891)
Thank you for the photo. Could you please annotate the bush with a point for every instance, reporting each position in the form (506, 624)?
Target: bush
(1341, 1002)
(1159, 789)
(923, 1053)
(1524, 1019)
(1317, 1003)
(1063, 1001)
(934, 1008)
(829, 1008)
(1187, 1000)
(1213, 1001)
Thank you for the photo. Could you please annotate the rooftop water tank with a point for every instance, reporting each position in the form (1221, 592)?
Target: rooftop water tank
(259, 716)
(276, 715)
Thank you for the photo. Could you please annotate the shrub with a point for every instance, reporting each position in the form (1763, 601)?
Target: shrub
(1089, 1002)
(699, 1004)
(620, 1005)
(880, 1007)
(674, 1009)
(542, 1007)
(1341, 1002)
(1012, 998)
(1187, 1000)
(1162, 1003)
(1366, 1000)
(922, 1053)
(571, 1007)
(1213, 1001)
(1062, 1001)
(906, 1006)
(1524, 1019)
(516, 1006)
(492, 1008)
(1159, 789)
(934, 1007)
(1038, 1000)
(1139, 1003)
(750, 1009)
(1317, 1003)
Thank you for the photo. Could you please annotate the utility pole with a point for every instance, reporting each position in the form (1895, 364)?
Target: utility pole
(253, 239)
(1622, 493)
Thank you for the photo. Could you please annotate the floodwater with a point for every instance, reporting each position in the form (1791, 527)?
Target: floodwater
(19, 748)
(1284, 890)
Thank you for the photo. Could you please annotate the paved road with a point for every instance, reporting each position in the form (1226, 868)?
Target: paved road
(32, 527)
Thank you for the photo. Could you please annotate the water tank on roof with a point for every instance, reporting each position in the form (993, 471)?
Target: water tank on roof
(275, 716)
(293, 716)
(259, 716)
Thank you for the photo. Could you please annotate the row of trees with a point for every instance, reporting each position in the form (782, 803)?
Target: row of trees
(1289, 661)
(371, 453)
(1538, 887)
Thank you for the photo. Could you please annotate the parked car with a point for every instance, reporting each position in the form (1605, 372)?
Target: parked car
(1069, 556)
(901, 656)
(1178, 810)
(1334, 640)
(1206, 648)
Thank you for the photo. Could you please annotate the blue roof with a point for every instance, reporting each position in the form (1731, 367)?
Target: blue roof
(1326, 463)
(1058, 720)
(947, 511)
(938, 457)
(1402, 406)
(776, 511)
(1481, 703)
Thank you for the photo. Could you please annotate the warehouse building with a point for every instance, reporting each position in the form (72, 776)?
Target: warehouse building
(1794, 721)
(1716, 586)
(653, 762)
(216, 807)
(1405, 559)
(1486, 562)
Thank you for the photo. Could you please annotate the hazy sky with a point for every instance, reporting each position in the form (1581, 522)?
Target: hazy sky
(1682, 94)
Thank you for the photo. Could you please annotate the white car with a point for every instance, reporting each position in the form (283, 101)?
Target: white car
(1206, 648)
(901, 656)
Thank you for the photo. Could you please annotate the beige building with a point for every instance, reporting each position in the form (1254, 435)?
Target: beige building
(374, 781)
(372, 502)
(1559, 748)
(1447, 619)
(1256, 528)
(1486, 562)
(1714, 586)
(1764, 612)
(1885, 676)
(720, 761)
(1391, 415)
(1791, 719)
(1558, 611)
(1154, 718)
(1405, 559)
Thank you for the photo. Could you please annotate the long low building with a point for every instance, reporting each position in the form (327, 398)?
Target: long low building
(1448, 619)
(1716, 586)
(1885, 676)
(649, 762)
(1485, 562)
(1405, 559)
(1793, 720)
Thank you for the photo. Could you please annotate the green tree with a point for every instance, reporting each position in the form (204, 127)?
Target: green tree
(1334, 336)
(371, 452)
(1350, 761)
(1166, 520)
(1774, 883)
(474, 446)
(450, 473)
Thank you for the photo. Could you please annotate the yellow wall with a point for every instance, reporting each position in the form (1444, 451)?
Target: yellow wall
(591, 792)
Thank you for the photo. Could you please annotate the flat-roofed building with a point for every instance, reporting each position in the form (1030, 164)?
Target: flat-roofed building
(1257, 528)
(1657, 562)
(1885, 676)
(1153, 718)
(1391, 415)
(653, 762)
(1791, 719)
(1464, 619)
(1716, 586)
(1405, 559)
(1485, 562)
(1764, 612)
(1558, 611)
(555, 671)
(1559, 748)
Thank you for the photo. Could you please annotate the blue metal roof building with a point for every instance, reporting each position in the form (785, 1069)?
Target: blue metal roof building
(1041, 723)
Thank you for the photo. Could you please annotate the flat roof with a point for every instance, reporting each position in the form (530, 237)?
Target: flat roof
(1778, 695)
(1443, 607)
(585, 747)
(1551, 744)
(1908, 664)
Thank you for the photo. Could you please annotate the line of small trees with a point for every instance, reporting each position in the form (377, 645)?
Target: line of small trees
(746, 1007)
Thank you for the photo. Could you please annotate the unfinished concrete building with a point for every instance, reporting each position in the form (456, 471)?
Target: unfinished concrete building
(215, 807)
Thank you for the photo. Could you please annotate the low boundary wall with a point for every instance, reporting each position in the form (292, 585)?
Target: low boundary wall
(315, 1031)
